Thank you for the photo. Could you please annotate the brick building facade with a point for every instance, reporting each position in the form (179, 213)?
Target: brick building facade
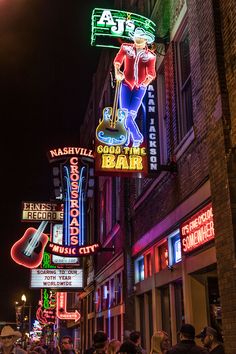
(144, 219)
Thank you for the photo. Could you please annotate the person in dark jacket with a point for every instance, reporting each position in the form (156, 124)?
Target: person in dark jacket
(100, 343)
(211, 340)
(135, 337)
(187, 344)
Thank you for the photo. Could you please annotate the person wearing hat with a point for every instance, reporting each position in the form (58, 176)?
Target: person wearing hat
(138, 71)
(8, 337)
(187, 344)
(211, 340)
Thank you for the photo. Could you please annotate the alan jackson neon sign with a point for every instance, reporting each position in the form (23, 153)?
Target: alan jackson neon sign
(121, 140)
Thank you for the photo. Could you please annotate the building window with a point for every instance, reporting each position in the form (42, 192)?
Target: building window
(139, 269)
(105, 296)
(148, 265)
(105, 199)
(118, 288)
(162, 256)
(184, 85)
(174, 243)
(165, 307)
(98, 300)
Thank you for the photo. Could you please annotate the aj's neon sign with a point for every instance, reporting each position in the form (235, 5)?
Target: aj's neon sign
(110, 25)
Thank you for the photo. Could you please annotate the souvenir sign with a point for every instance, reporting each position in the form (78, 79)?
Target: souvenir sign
(109, 27)
(197, 230)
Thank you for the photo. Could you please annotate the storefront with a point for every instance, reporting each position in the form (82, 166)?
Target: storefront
(176, 274)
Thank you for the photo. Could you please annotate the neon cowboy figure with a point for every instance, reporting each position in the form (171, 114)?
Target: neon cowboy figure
(139, 70)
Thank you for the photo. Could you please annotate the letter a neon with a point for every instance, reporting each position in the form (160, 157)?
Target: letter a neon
(106, 19)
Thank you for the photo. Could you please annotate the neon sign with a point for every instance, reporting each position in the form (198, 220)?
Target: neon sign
(109, 26)
(152, 129)
(198, 230)
(120, 159)
(57, 239)
(62, 312)
(28, 251)
(60, 152)
(33, 211)
(71, 251)
(121, 144)
(49, 298)
(74, 186)
(45, 316)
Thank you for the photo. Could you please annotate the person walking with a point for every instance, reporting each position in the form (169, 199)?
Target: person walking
(128, 347)
(100, 341)
(135, 337)
(8, 338)
(67, 345)
(210, 340)
(187, 344)
(113, 346)
(159, 343)
(52, 349)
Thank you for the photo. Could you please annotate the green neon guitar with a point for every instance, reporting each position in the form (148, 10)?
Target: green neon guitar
(111, 129)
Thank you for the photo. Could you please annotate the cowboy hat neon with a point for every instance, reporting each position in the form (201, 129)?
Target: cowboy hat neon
(141, 33)
(9, 331)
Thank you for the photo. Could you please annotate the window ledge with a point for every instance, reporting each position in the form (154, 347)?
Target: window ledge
(184, 144)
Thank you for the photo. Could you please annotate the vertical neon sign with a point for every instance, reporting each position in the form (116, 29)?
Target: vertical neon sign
(74, 178)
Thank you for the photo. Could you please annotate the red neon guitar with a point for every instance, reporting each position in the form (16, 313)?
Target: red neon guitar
(28, 251)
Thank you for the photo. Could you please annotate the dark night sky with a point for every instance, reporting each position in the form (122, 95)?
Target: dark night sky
(46, 68)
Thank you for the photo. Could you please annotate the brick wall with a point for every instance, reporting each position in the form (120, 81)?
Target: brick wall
(212, 152)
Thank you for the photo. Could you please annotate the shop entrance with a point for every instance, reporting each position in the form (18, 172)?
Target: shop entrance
(206, 299)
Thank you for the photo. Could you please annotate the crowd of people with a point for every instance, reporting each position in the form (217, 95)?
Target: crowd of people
(211, 341)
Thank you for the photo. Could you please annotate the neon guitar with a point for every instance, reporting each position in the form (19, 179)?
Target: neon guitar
(111, 129)
(28, 251)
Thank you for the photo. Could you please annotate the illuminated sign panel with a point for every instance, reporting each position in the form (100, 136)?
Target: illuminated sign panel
(59, 153)
(120, 159)
(57, 237)
(152, 129)
(33, 211)
(28, 250)
(72, 251)
(197, 230)
(57, 278)
(75, 179)
(127, 137)
(71, 169)
(111, 26)
(62, 312)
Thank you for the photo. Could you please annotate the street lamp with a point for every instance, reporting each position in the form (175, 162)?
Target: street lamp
(20, 314)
